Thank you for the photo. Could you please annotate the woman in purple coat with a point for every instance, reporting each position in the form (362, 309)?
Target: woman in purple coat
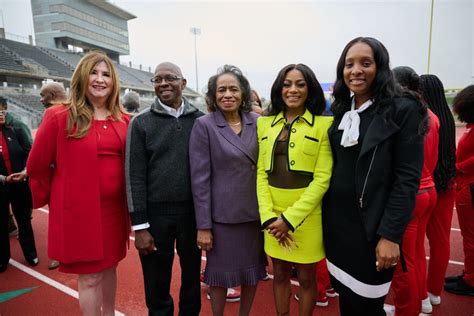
(223, 154)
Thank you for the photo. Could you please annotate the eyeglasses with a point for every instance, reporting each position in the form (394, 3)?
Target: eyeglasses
(3, 112)
(167, 79)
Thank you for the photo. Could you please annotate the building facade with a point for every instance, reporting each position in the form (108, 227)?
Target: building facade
(87, 24)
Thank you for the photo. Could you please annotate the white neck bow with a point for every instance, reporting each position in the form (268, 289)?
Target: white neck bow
(350, 124)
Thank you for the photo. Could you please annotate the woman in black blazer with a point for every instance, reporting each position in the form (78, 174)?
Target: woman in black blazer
(377, 149)
(14, 149)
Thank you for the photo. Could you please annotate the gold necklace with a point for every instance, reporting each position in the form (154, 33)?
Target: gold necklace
(234, 124)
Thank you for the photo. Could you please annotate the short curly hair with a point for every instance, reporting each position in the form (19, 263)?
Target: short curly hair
(463, 104)
(244, 87)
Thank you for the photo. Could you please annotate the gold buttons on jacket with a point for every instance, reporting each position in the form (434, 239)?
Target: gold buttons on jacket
(293, 130)
(292, 144)
(292, 162)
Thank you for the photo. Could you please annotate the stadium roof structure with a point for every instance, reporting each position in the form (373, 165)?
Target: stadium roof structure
(106, 5)
(85, 24)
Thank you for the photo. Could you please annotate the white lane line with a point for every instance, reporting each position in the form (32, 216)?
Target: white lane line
(45, 279)
(458, 263)
(43, 210)
(61, 287)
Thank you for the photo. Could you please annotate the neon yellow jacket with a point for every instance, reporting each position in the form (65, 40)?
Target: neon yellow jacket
(308, 151)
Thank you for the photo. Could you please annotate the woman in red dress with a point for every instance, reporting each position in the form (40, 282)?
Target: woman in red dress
(76, 166)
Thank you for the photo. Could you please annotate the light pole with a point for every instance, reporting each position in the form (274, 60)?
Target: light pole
(196, 31)
(431, 33)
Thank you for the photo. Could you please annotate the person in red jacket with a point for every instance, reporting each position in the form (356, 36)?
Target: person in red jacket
(76, 166)
(439, 223)
(408, 285)
(463, 106)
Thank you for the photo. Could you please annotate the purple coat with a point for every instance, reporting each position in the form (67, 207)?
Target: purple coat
(223, 170)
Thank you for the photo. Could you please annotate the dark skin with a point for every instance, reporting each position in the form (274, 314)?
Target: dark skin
(169, 93)
(279, 229)
(52, 93)
(17, 176)
(387, 253)
(294, 94)
(144, 242)
(359, 73)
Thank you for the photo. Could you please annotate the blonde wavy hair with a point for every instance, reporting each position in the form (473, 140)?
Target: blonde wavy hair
(81, 112)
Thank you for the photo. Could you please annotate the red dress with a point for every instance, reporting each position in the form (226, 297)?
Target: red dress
(112, 202)
(65, 173)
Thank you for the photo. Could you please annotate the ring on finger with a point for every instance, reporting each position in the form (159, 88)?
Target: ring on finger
(393, 264)
(199, 247)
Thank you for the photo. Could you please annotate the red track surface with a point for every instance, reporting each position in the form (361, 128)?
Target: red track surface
(47, 300)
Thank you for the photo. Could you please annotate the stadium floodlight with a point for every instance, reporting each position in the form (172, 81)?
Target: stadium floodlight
(196, 31)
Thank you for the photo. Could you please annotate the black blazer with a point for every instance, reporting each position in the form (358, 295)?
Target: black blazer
(19, 148)
(388, 169)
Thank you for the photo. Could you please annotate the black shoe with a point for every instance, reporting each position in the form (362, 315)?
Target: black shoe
(460, 288)
(33, 262)
(453, 278)
(3, 267)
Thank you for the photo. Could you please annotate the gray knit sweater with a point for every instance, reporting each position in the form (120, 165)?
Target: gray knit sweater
(157, 163)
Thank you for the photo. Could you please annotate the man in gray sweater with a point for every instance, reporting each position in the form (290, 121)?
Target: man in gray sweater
(159, 194)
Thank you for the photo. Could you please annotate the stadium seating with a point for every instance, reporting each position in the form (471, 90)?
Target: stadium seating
(55, 67)
(27, 101)
(9, 62)
(68, 58)
(31, 65)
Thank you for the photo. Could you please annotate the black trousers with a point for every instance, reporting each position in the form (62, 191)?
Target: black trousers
(17, 195)
(167, 231)
(351, 304)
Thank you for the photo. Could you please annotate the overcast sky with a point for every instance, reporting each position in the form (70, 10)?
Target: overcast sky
(261, 37)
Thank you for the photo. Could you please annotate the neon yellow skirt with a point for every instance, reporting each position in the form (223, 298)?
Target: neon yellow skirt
(308, 236)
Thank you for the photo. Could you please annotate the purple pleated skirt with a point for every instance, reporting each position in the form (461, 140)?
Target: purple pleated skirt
(237, 256)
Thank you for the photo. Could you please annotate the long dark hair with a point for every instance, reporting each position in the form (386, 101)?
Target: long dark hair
(433, 92)
(315, 102)
(407, 77)
(383, 87)
(409, 83)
